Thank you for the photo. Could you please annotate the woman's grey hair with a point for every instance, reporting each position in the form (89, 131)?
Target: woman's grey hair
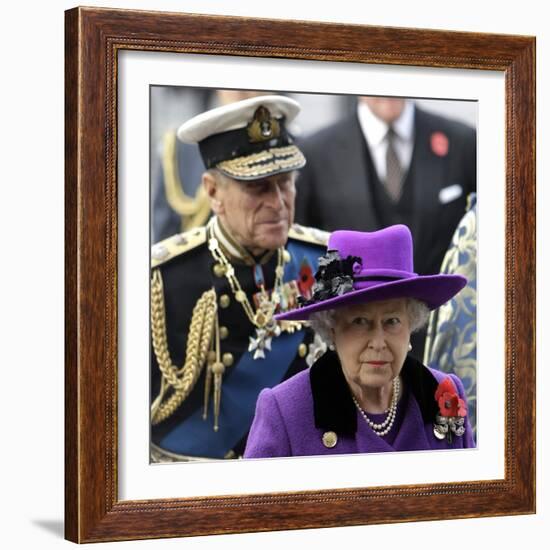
(323, 322)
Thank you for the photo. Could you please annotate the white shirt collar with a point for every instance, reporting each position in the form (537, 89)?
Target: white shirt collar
(231, 248)
(375, 129)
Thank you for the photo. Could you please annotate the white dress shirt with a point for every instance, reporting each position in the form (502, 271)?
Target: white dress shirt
(375, 131)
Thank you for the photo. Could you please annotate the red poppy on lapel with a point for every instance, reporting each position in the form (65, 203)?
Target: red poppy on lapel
(447, 399)
(439, 143)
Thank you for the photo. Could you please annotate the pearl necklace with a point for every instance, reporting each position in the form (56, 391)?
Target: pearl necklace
(383, 428)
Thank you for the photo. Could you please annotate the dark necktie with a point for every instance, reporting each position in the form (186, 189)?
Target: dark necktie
(394, 172)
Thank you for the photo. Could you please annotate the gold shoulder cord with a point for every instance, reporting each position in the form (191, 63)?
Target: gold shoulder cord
(193, 210)
(199, 339)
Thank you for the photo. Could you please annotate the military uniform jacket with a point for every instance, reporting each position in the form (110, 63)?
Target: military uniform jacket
(188, 272)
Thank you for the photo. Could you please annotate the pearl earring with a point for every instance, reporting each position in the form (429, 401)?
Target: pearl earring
(410, 347)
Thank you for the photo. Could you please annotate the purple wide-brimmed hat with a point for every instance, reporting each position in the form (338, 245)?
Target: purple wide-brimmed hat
(364, 267)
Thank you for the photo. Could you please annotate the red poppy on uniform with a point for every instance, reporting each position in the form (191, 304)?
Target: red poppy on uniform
(305, 279)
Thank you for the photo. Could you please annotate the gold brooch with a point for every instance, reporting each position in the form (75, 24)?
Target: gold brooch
(330, 439)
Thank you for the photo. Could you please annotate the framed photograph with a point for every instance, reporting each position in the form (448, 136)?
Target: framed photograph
(116, 61)
(440, 181)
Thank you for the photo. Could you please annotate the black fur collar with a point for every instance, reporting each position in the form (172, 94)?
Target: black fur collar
(333, 407)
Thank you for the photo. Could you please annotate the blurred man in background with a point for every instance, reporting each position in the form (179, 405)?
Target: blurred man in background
(390, 162)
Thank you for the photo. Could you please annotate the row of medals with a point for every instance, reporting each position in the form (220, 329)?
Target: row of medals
(281, 297)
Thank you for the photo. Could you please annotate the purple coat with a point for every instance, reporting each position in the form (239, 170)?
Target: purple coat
(292, 418)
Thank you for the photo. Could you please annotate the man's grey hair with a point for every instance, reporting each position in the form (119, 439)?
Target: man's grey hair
(218, 176)
(323, 322)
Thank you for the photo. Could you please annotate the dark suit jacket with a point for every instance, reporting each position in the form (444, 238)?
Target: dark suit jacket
(334, 191)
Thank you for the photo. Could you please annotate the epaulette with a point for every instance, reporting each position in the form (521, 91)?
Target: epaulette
(308, 234)
(175, 245)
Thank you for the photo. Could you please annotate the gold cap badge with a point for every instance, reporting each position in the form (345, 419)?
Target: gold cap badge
(263, 126)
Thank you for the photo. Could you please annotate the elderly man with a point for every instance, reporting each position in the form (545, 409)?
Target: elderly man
(215, 289)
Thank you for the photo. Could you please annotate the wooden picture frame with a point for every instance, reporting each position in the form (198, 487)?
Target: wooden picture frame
(93, 511)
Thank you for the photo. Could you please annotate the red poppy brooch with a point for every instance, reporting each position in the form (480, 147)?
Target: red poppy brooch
(305, 279)
(452, 411)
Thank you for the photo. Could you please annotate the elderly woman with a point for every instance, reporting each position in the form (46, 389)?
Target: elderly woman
(365, 394)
